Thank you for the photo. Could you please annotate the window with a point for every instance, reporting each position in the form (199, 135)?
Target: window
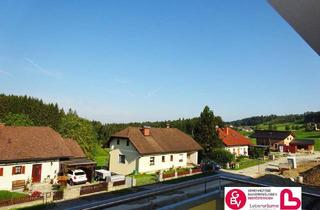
(122, 159)
(128, 142)
(163, 158)
(18, 170)
(1, 171)
(171, 158)
(180, 157)
(118, 141)
(151, 161)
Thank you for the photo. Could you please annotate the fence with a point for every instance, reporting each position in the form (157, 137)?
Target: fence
(94, 188)
(58, 195)
(19, 200)
(183, 173)
(118, 183)
(173, 175)
(167, 176)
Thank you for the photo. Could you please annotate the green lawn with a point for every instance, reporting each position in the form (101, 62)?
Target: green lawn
(101, 156)
(246, 162)
(143, 179)
(6, 195)
(280, 126)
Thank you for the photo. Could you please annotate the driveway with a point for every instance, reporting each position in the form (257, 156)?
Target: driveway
(261, 169)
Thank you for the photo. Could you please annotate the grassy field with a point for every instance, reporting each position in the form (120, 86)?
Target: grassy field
(280, 126)
(143, 179)
(247, 134)
(6, 195)
(102, 156)
(246, 162)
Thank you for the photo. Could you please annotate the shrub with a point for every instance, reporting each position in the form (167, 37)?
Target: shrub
(221, 156)
(241, 157)
(256, 152)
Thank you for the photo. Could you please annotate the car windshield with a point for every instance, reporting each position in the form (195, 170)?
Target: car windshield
(79, 173)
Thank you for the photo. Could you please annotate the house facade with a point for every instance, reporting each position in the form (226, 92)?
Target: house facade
(233, 141)
(31, 155)
(14, 176)
(145, 150)
(273, 139)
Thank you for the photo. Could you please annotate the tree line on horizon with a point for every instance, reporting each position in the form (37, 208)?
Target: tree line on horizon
(29, 111)
(307, 117)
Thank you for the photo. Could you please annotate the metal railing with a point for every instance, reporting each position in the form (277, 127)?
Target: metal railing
(173, 187)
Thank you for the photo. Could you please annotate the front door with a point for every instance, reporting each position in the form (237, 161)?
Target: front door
(36, 173)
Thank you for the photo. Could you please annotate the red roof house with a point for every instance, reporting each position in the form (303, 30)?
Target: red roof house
(234, 141)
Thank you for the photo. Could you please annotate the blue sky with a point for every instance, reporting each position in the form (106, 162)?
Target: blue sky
(121, 61)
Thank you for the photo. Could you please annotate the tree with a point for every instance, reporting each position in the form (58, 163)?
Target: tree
(81, 130)
(221, 156)
(12, 119)
(287, 127)
(205, 132)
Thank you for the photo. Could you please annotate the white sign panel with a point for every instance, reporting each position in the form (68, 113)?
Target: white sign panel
(262, 198)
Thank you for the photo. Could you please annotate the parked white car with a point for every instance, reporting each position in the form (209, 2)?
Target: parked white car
(108, 176)
(77, 176)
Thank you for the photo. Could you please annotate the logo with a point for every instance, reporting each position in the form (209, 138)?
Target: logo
(266, 198)
(287, 201)
(235, 199)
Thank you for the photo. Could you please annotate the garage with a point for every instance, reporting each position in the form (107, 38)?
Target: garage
(86, 165)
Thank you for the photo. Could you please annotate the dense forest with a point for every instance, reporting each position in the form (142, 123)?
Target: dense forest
(307, 117)
(29, 111)
(32, 110)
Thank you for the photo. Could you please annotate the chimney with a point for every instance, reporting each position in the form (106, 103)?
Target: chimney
(226, 130)
(145, 130)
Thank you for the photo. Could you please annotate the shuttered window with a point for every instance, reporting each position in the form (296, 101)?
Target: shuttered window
(1, 171)
(18, 170)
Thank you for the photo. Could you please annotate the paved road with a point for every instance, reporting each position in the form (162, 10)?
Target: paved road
(262, 169)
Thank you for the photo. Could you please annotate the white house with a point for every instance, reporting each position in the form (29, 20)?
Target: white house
(151, 149)
(31, 155)
(233, 141)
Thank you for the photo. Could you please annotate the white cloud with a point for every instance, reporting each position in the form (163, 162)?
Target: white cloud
(121, 81)
(42, 70)
(5, 73)
(152, 92)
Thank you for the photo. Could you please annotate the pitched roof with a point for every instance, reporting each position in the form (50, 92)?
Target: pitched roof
(160, 140)
(19, 143)
(231, 137)
(303, 142)
(74, 148)
(268, 134)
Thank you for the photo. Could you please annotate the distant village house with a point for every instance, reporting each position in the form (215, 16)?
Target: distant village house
(283, 141)
(233, 141)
